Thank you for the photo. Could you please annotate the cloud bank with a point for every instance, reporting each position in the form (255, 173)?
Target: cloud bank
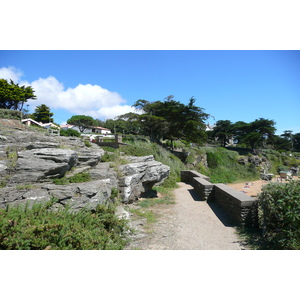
(91, 100)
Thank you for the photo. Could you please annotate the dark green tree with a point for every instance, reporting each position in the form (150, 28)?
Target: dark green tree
(296, 142)
(172, 120)
(42, 114)
(81, 121)
(223, 131)
(262, 133)
(13, 96)
(288, 137)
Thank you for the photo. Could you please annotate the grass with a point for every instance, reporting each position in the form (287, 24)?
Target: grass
(145, 210)
(78, 178)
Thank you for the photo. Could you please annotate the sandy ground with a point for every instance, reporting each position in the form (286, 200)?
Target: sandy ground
(252, 188)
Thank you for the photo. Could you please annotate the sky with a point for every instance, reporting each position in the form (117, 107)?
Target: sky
(235, 85)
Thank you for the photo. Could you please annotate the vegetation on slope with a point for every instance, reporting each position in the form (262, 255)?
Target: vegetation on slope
(40, 227)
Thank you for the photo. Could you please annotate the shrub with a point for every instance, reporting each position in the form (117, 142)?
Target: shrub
(280, 215)
(87, 143)
(69, 132)
(10, 114)
(38, 227)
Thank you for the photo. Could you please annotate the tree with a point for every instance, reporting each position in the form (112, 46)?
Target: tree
(296, 141)
(171, 120)
(81, 121)
(223, 131)
(288, 136)
(42, 114)
(13, 96)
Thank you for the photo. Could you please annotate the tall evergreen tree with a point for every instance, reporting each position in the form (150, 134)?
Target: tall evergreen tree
(42, 114)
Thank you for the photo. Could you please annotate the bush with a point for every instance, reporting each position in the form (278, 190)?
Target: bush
(38, 227)
(280, 215)
(69, 132)
(10, 114)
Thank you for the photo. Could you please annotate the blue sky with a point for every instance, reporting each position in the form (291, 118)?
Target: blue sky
(229, 85)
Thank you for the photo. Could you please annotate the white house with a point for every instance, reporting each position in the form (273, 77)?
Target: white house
(30, 121)
(96, 130)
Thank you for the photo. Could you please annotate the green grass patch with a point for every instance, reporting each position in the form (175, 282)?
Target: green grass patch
(78, 178)
(149, 215)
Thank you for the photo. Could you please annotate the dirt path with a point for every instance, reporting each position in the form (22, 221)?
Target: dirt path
(189, 224)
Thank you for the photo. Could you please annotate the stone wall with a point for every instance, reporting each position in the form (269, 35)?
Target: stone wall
(241, 208)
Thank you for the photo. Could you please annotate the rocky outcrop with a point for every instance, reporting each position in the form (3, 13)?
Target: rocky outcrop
(77, 195)
(30, 161)
(42, 164)
(140, 176)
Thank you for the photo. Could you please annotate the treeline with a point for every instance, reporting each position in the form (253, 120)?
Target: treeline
(257, 134)
(164, 121)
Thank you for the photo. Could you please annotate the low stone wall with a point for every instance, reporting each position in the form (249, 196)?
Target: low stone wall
(188, 175)
(203, 188)
(241, 208)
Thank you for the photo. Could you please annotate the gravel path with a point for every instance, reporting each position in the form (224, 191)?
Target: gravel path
(189, 224)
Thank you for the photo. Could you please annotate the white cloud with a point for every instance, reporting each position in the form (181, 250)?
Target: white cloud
(91, 100)
(11, 73)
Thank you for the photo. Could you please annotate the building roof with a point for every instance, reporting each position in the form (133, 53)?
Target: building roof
(102, 128)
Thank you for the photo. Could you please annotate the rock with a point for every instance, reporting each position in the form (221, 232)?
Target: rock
(140, 177)
(90, 157)
(40, 145)
(42, 164)
(77, 195)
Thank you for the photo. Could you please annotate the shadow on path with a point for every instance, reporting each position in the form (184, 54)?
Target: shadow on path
(218, 211)
(221, 214)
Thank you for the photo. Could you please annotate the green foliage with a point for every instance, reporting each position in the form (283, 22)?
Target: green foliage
(38, 227)
(114, 193)
(87, 143)
(81, 121)
(69, 132)
(13, 96)
(78, 178)
(224, 167)
(42, 114)
(280, 215)
(10, 114)
(166, 198)
(144, 213)
(171, 120)
(223, 130)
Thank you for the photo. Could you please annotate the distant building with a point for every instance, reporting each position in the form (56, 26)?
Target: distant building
(96, 130)
(209, 127)
(29, 122)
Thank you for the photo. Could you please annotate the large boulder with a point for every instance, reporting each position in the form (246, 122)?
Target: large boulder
(140, 177)
(43, 164)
